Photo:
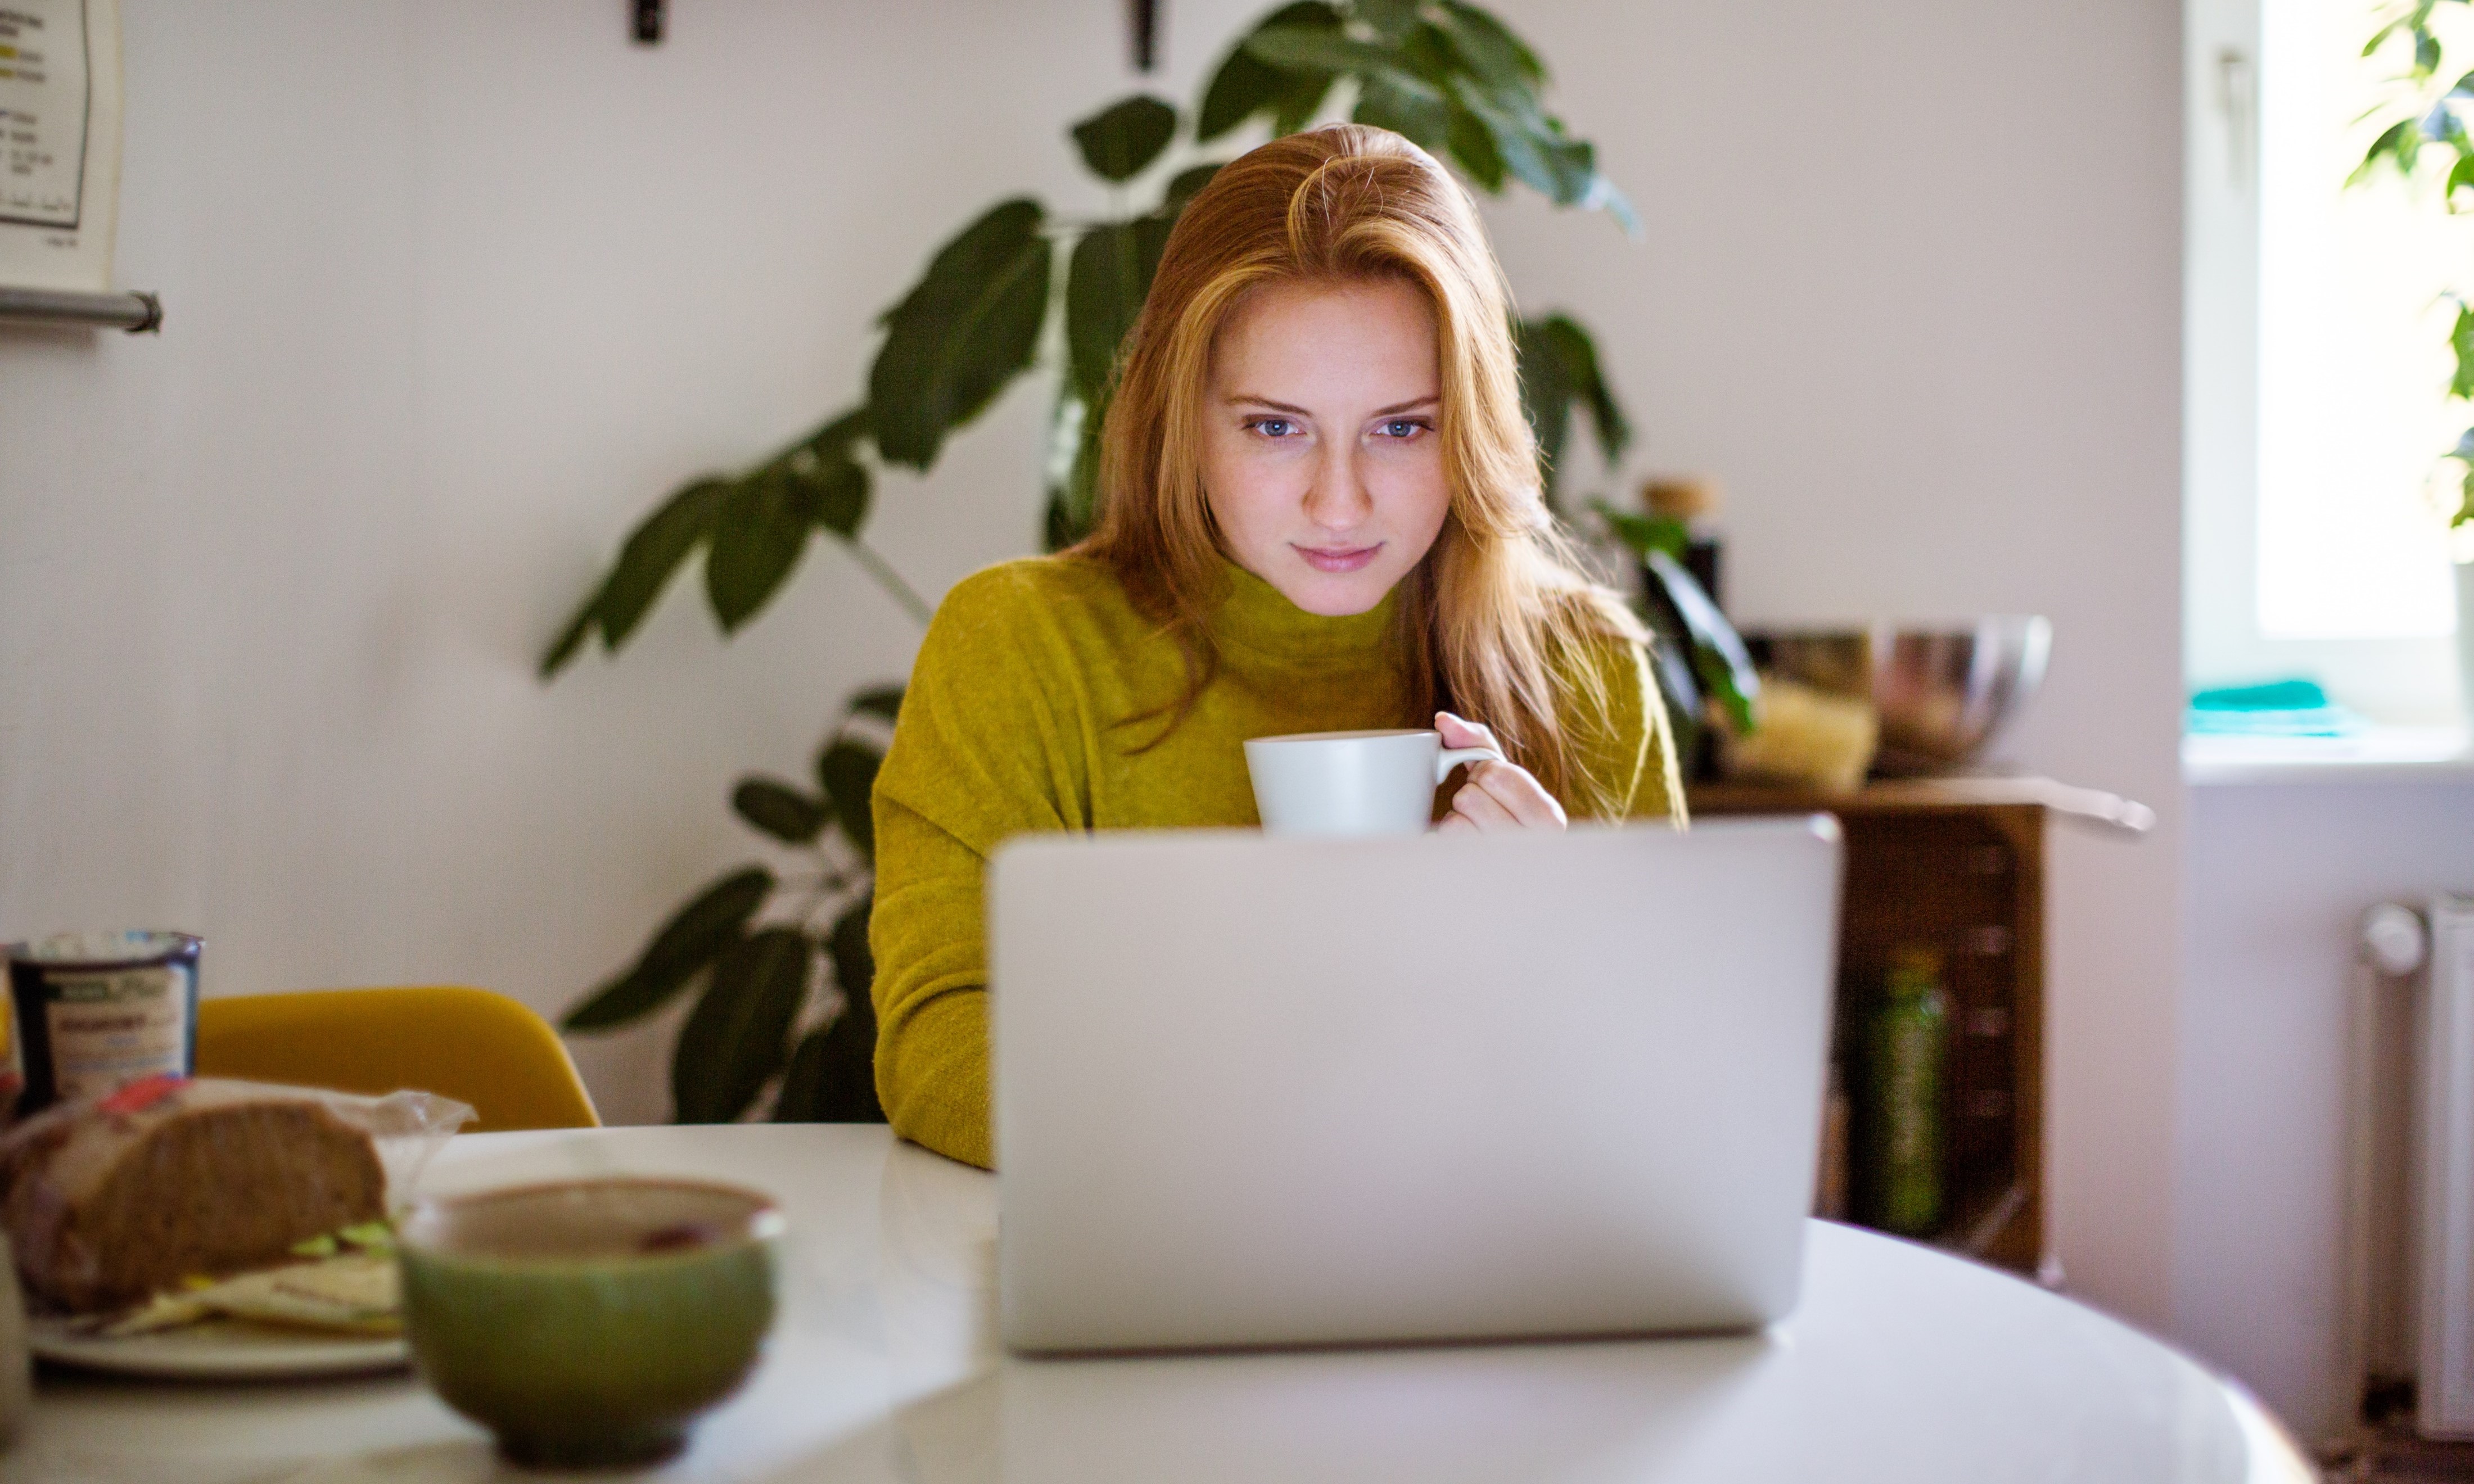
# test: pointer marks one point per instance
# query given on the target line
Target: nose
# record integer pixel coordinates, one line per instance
(1337, 501)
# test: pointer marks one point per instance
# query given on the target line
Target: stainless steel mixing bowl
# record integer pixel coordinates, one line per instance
(1942, 691)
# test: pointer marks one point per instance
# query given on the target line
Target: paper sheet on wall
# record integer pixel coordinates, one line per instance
(59, 142)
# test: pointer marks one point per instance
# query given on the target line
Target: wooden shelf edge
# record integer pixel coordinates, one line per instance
(2127, 817)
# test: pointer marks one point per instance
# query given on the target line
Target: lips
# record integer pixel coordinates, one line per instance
(1338, 559)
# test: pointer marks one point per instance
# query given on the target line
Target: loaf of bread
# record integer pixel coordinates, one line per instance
(112, 1201)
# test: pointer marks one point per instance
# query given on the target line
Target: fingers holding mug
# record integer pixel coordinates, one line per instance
(1498, 795)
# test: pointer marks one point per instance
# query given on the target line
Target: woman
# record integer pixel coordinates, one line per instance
(1319, 511)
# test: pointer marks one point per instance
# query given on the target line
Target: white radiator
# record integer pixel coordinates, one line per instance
(2410, 1226)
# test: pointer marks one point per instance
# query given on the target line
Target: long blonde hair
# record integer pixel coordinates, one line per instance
(1497, 620)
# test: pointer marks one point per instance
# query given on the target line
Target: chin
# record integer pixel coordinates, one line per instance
(1338, 597)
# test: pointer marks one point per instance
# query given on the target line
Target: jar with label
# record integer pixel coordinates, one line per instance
(95, 1011)
(1905, 1043)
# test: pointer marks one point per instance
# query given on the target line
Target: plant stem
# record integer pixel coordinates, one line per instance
(890, 581)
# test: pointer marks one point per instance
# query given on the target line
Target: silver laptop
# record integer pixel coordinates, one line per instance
(1258, 1091)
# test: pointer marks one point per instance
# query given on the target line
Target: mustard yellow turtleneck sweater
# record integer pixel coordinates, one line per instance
(1005, 728)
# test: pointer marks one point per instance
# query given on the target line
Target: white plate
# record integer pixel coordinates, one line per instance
(217, 1350)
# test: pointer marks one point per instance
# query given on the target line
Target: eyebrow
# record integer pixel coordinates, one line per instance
(1248, 399)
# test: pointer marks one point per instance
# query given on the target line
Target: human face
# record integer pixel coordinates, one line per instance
(1319, 454)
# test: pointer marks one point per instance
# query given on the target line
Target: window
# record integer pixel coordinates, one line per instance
(2317, 363)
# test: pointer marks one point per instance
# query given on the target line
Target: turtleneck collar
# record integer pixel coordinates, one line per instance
(1256, 617)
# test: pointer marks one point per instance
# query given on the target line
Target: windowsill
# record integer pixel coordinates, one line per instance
(2377, 754)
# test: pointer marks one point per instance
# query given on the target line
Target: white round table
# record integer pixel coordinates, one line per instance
(1901, 1365)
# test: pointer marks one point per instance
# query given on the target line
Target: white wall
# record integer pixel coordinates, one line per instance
(2278, 876)
(455, 291)
(459, 288)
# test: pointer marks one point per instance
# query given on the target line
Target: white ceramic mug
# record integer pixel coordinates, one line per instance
(1353, 782)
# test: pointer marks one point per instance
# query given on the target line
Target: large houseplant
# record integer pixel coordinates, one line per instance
(757, 946)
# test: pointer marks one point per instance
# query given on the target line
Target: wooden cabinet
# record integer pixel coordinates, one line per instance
(1956, 866)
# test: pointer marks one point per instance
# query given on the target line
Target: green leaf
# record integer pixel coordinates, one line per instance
(2426, 53)
(1311, 49)
(1719, 658)
(2399, 143)
(757, 539)
(832, 496)
(1615, 203)
(2382, 34)
(653, 551)
(854, 964)
(804, 1079)
(881, 700)
(1546, 393)
(685, 944)
(571, 639)
(969, 327)
(835, 440)
(1246, 86)
(1588, 381)
(1645, 534)
(1734, 694)
(1559, 366)
(2460, 340)
(1073, 491)
(2465, 88)
(1492, 51)
(1606, 415)
(779, 810)
(1185, 185)
(1121, 140)
(739, 1034)
(1680, 689)
(847, 768)
(1670, 660)
(1407, 105)
(1105, 279)
(1389, 18)
(1472, 148)
(1297, 107)
(1536, 148)
(652, 555)
(832, 1078)
(1428, 55)
(1523, 145)
(1575, 164)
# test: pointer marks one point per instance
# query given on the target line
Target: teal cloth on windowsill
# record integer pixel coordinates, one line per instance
(2279, 708)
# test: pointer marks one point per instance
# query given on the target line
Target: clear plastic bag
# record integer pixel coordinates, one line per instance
(111, 1198)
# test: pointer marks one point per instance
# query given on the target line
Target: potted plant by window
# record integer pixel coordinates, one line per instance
(2426, 144)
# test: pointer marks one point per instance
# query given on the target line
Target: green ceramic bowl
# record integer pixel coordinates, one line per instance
(587, 1323)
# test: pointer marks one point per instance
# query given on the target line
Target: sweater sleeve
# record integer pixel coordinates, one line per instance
(1659, 791)
(1634, 758)
(984, 751)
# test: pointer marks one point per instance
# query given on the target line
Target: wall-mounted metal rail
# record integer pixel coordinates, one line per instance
(139, 313)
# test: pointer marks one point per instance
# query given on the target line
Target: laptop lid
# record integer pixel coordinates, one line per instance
(1252, 1091)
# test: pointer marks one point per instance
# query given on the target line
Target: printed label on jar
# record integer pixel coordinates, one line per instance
(111, 1028)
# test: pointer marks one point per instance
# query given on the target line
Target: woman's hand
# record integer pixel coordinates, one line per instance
(1498, 795)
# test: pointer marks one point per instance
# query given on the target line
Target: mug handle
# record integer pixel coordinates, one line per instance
(1452, 757)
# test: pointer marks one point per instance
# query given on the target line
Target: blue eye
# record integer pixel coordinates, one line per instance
(1273, 427)
(1402, 427)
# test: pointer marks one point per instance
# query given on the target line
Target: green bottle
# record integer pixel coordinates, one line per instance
(1907, 1039)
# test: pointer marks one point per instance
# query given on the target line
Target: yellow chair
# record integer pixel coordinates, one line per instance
(469, 1044)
